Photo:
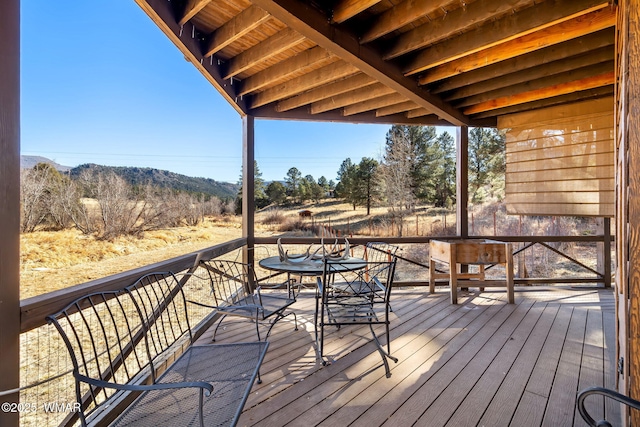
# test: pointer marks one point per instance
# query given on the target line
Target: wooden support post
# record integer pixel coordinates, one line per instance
(10, 205)
(607, 253)
(462, 182)
(603, 250)
(462, 186)
(248, 186)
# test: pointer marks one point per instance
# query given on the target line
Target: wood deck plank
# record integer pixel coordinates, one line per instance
(289, 403)
(482, 376)
(562, 400)
(414, 406)
(501, 401)
(457, 363)
(591, 367)
(421, 351)
(612, 407)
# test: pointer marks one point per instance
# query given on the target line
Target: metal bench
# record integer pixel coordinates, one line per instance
(134, 362)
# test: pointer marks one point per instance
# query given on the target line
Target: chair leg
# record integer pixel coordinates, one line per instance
(383, 353)
(217, 326)
(258, 327)
(282, 316)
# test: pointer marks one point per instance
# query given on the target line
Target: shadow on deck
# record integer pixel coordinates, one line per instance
(482, 362)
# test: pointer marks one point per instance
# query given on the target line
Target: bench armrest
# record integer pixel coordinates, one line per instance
(208, 388)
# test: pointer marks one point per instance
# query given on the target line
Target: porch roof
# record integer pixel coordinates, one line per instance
(395, 61)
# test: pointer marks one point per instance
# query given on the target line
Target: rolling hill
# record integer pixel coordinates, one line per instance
(165, 179)
(139, 176)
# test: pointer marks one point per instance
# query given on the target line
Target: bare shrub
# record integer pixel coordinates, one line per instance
(33, 199)
(293, 224)
(274, 217)
(212, 207)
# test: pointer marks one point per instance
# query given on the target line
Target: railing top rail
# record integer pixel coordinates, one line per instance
(33, 311)
(427, 239)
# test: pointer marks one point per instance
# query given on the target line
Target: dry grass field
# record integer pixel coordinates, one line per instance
(52, 260)
(55, 260)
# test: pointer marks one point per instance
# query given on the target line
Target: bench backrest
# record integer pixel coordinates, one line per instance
(229, 283)
(120, 337)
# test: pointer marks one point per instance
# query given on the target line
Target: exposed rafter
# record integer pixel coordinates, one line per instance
(358, 95)
(313, 24)
(272, 46)
(418, 112)
(237, 27)
(399, 16)
(547, 92)
(161, 13)
(547, 16)
(298, 64)
(305, 82)
(326, 91)
(455, 22)
(396, 108)
(559, 33)
(598, 92)
(540, 58)
(191, 9)
(372, 104)
(540, 83)
(346, 9)
(540, 72)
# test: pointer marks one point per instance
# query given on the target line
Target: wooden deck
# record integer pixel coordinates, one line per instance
(482, 362)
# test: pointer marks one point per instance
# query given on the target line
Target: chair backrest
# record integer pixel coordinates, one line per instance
(361, 278)
(380, 252)
(115, 337)
(229, 281)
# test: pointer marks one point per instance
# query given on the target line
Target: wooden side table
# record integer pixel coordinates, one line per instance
(479, 252)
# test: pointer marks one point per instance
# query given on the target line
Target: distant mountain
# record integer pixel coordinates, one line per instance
(28, 162)
(165, 179)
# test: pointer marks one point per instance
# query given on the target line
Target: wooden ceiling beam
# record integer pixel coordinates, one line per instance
(237, 27)
(548, 102)
(305, 19)
(264, 50)
(326, 91)
(372, 104)
(454, 22)
(191, 9)
(559, 33)
(581, 45)
(400, 15)
(572, 16)
(346, 9)
(568, 65)
(162, 14)
(302, 62)
(539, 83)
(396, 108)
(418, 112)
(268, 112)
(302, 83)
(352, 97)
(604, 79)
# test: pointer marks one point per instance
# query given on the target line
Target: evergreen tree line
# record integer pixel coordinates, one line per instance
(53, 201)
(417, 166)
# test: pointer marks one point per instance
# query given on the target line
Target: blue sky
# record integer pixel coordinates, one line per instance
(102, 84)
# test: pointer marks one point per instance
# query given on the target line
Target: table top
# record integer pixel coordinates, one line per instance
(312, 267)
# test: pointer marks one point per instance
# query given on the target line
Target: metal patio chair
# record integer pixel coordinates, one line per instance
(230, 286)
(362, 299)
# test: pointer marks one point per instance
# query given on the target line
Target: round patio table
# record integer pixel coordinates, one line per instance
(309, 268)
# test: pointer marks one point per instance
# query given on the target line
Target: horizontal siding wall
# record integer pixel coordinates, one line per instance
(560, 160)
